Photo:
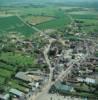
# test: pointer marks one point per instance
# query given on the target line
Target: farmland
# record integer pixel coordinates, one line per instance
(15, 25)
(27, 31)
(87, 24)
(42, 18)
(12, 62)
(37, 19)
(59, 23)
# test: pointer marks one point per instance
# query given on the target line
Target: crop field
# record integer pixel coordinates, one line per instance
(18, 59)
(34, 11)
(14, 24)
(3, 71)
(42, 18)
(4, 75)
(9, 64)
(2, 80)
(88, 24)
(58, 23)
(15, 84)
(84, 16)
(33, 20)
(82, 12)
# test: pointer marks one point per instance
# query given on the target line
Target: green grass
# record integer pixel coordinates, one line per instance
(88, 24)
(58, 23)
(14, 24)
(15, 84)
(18, 59)
(84, 16)
(96, 54)
(37, 19)
(7, 67)
(2, 80)
(92, 22)
(47, 11)
(5, 73)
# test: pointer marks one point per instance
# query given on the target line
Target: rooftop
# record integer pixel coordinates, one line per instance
(16, 92)
(63, 87)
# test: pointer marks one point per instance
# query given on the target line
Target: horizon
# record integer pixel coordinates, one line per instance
(3, 2)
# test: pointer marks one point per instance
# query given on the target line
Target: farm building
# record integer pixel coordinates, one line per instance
(17, 93)
(28, 77)
(4, 97)
(87, 80)
(63, 88)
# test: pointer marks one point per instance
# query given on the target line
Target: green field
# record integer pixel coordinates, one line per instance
(46, 18)
(15, 25)
(59, 23)
(9, 65)
(87, 24)
(5, 73)
(2, 80)
(84, 16)
(38, 11)
(33, 20)
(15, 84)
(18, 59)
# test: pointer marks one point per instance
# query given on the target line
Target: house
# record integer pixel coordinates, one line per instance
(90, 80)
(28, 76)
(4, 97)
(86, 80)
(17, 93)
(63, 88)
(23, 76)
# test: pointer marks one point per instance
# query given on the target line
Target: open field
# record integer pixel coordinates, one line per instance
(83, 12)
(29, 10)
(33, 20)
(3, 71)
(10, 63)
(14, 24)
(16, 84)
(44, 18)
(2, 80)
(59, 23)
(18, 59)
(84, 16)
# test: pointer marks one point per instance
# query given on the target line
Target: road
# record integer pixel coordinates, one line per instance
(46, 50)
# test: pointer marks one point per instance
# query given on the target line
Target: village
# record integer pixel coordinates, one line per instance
(48, 50)
(69, 69)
